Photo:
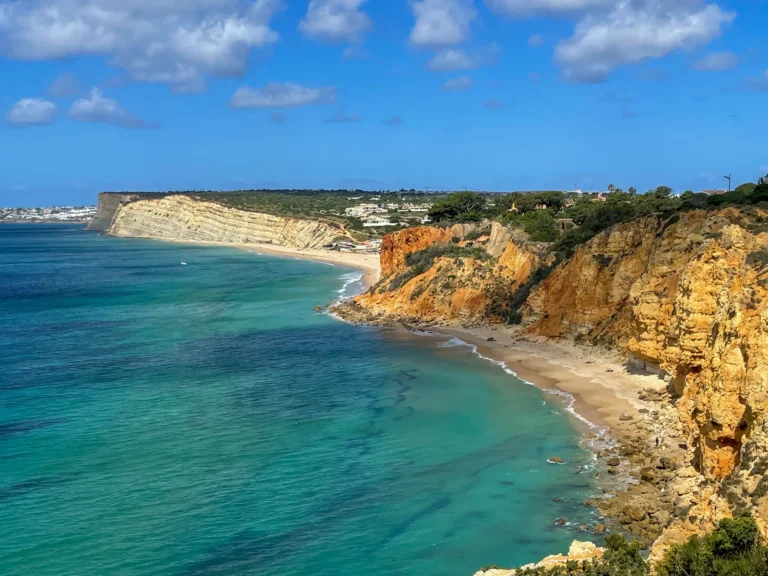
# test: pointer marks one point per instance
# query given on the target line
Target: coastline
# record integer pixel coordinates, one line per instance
(44, 221)
(599, 383)
(370, 264)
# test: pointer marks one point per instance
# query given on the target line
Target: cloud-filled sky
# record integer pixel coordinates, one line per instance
(485, 94)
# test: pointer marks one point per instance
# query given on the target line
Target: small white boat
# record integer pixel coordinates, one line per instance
(183, 263)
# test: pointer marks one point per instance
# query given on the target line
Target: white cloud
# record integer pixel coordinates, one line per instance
(335, 20)
(65, 86)
(460, 83)
(341, 118)
(453, 59)
(717, 61)
(281, 95)
(634, 31)
(527, 8)
(152, 40)
(195, 86)
(535, 40)
(96, 108)
(31, 112)
(450, 60)
(441, 22)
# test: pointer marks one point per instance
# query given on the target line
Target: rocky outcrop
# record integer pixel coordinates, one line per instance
(396, 247)
(109, 202)
(467, 288)
(182, 218)
(578, 552)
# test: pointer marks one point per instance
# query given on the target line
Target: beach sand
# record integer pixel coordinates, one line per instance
(602, 387)
(368, 263)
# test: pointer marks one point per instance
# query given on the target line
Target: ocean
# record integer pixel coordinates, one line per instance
(160, 418)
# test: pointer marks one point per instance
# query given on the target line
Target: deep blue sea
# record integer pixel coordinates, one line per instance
(203, 419)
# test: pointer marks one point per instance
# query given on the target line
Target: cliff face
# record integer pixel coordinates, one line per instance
(688, 295)
(105, 213)
(460, 287)
(182, 218)
(685, 296)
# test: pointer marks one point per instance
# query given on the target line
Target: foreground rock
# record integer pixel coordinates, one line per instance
(579, 551)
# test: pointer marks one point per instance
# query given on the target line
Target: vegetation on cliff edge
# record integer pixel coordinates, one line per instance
(733, 549)
(420, 262)
(586, 215)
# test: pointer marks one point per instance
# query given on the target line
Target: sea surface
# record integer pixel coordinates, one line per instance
(203, 419)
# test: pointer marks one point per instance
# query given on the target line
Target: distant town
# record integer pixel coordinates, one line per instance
(51, 214)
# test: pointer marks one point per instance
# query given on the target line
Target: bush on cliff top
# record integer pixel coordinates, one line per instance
(733, 549)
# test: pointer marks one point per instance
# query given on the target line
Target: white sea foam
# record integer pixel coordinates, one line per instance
(349, 279)
(452, 343)
(569, 398)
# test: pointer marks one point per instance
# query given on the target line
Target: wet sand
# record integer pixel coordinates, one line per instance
(598, 380)
(369, 263)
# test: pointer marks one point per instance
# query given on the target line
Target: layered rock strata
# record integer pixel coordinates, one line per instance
(183, 218)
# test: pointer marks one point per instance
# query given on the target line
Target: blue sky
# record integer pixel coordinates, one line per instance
(488, 94)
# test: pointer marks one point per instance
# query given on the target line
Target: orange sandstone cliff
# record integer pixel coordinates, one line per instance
(684, 295)
(465, 287)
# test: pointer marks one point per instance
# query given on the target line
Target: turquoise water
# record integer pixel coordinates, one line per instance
(160, 419)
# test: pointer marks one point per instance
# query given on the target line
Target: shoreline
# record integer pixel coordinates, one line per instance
(85, 222)
(598, 382)
(370, 264)
(637, 446)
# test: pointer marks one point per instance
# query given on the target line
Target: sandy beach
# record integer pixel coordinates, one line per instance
(368, 263)
(599, 382)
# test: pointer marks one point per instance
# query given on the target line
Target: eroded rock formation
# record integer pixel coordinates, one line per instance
(182, 218)
(453, 289)
(684, 295)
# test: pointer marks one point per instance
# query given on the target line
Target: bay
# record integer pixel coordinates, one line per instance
(160, 418)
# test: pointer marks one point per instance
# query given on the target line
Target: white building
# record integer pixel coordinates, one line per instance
(375, 222)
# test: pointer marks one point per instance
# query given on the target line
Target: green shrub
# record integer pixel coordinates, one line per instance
(733, 549)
